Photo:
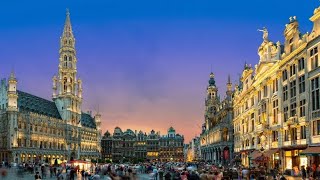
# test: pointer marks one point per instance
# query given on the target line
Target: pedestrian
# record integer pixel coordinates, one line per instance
(59, 175)
(303, 173)
(37, 176)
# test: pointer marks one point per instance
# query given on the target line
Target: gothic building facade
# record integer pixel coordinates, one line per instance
(34, 129)
(277, 110)
(216, 139)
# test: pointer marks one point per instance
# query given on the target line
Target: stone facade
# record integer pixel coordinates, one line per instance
(193, 151)
(277, 105)
(130, 146)
(171, 147)
(37, 130)
(216, 139)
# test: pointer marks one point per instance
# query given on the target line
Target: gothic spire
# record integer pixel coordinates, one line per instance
(67, 30)
(229, 79)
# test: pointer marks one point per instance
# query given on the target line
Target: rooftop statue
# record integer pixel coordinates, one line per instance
(265, 33)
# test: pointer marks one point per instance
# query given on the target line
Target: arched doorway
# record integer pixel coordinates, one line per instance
(226, 154)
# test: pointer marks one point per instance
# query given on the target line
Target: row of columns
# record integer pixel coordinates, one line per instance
(20, 157)
(215, 155)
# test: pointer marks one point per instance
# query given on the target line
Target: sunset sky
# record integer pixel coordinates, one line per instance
(144, 64)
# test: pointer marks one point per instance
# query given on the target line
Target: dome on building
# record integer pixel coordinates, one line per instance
(129, 131)
(117, 130)
(171, 129)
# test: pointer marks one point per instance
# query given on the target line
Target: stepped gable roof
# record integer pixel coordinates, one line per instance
(31, 103)
(87, 120)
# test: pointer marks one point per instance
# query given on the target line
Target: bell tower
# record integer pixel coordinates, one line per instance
(211, 102)
(67, 89)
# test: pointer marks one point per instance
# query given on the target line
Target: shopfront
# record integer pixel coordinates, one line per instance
(312, 155)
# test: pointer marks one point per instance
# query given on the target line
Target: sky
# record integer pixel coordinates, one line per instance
(144, 64)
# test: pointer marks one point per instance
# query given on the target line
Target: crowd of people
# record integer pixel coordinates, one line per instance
(159, 171)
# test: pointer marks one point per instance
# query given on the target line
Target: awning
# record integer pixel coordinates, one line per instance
(270, 152)
(255, 154)
(311, 151)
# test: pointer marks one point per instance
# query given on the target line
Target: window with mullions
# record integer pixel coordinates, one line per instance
(302, 105)
(301, 64)
(293, 88)
(275, 111)
(285, 114)
(315, 91)
(316, 127)
(292, 70)
(294, 134)
(302, 85)
(293, 110)
(284, 75)
(285, 92)
(314, 58)
(286, 135)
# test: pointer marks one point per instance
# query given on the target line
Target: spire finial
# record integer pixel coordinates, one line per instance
(229, 79)
(12, 74)
(67, 30)
(67, 12)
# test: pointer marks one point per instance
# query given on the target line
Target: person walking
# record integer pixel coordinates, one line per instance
(303, 173)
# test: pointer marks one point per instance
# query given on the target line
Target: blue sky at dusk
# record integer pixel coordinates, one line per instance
(145, 64)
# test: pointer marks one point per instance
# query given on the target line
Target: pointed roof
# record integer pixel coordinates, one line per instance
(67, 30)
(229, 79)
(12, 75)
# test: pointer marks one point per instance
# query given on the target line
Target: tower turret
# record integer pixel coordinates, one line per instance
(12, 93)
(66, 87)
(211, 102)
(12, 110)
(229, 88)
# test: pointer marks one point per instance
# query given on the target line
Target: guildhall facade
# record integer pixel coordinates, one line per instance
(277, 105)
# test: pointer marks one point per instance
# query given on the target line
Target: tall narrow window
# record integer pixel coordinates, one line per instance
(314, 58)
(301, 64)
(293, 110)
(294, 134)
(284, 75)
(286, 135)
(65, 64)
(291, 45)
(275, 111)
(302, 105)
(265, 91)
(292, 70)
(65, 84)
(285, 114)
(303, 133)
(315, 91)
(285, 92)
(293, 88)
(302, 86)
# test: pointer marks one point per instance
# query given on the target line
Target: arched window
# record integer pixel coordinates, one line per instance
(65, 84)
(252, 141)
(65, 63)
(71, 85)
(70, 62)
